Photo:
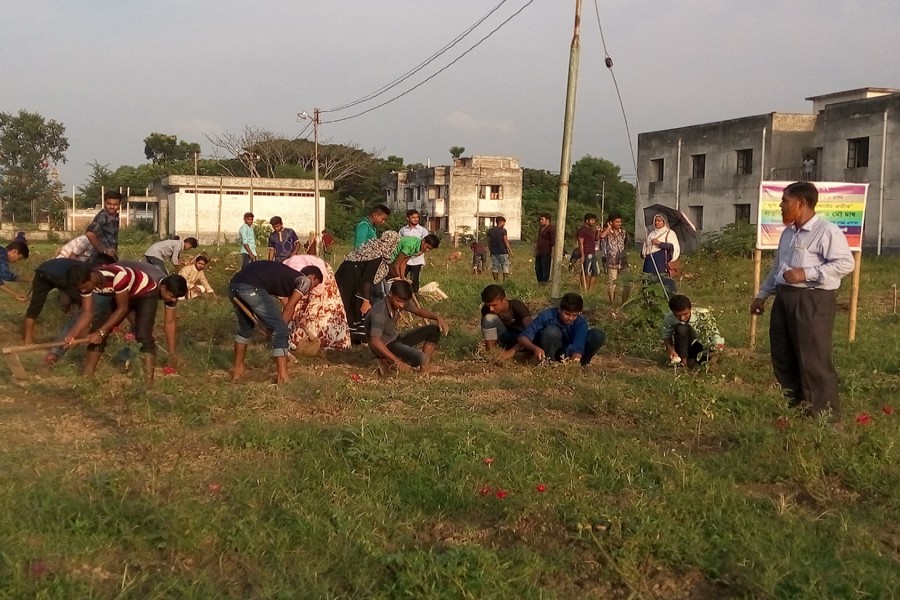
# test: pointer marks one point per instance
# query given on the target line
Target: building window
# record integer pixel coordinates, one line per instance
(696, 216)
(857, 153)
(698, 166)
(741, 213)
(489, 192)
(657, 169)
(745, 161)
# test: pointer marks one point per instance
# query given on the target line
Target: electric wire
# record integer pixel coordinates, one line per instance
(420, 66)
(438, 72)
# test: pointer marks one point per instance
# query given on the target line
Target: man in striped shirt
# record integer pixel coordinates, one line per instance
(137, 288)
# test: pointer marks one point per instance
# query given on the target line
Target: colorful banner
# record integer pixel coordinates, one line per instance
(843, 204)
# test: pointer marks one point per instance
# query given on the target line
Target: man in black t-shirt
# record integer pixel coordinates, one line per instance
(256, 287)
(498, 246)
(502, 320)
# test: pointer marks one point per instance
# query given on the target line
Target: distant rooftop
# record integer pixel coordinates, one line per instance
(823, 100)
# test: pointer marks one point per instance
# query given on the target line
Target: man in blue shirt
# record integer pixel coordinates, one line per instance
(14, 252)
(813, 256)
(563, 333)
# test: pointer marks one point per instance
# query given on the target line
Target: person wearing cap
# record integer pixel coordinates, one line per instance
(255, 290)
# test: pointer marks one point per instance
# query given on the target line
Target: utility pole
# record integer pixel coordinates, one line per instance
(565, 161)
(196, 196)
(316, 178)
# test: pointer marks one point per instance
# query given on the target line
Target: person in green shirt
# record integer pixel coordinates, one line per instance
(410, 246)
(365, 229)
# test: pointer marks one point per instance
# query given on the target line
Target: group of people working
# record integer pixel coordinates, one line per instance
(297, 297)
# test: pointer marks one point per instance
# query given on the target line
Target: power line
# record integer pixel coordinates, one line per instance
(609, 65)
(420, 66)
(427, 79)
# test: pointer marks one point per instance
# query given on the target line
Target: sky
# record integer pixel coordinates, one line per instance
(113, 72)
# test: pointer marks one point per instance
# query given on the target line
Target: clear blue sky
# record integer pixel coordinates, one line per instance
(114, 72)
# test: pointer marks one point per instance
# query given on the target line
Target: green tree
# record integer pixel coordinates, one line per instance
(590, 177)
(160, 149)
(29, 144)
(456, 151)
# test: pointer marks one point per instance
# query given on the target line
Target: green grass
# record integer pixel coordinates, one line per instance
(654, 485)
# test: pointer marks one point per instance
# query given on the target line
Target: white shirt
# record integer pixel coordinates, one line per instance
(419, 232)
(79, 248)
(819, 248)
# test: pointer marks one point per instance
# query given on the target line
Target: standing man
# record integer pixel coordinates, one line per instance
(415, 263)
(809, 168)
(813, 256)
(168, 250)
(543, 249)
(366, 228)
(103, 232)
(587, 239)
(327, 244)
(614, 243)
(498, 246)
(248, 240)
(283, 241)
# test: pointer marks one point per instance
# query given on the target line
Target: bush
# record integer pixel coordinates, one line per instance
(735, 239)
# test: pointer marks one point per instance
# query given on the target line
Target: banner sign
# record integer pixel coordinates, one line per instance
(843, 204)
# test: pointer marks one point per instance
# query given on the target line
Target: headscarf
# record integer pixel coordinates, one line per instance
(664, 235)
(382, 248)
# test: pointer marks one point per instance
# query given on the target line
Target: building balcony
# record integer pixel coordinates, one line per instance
(695, 184)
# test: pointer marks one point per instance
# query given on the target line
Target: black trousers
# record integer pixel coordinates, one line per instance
(542, 268)
(800, 335)
(687, 346)
(143, 311)
(412, 273)
(41, 286)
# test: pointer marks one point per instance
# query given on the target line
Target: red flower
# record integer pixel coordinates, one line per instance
(168, 370)
(541, 488)
(487, 460)
(484, 491)
(356, 377)
(129, 337)
(864, 419)
(888, 410)
(782, 423)
(115, 330)
(502, 494)
(214, 487)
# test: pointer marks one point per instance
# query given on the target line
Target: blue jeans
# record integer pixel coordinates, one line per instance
(103, 305)
(492, 328)
(551, 340)
(267, 309)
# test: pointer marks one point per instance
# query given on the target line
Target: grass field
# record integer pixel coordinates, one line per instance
(512, 481)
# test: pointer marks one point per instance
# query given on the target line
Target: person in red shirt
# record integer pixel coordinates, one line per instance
(137, 289)
(327, 245)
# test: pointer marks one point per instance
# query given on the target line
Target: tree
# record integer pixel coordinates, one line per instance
(29, 146)
(590, 177)
(456, 151)
(162, 149)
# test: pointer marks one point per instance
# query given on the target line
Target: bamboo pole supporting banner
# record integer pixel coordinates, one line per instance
(854, 296)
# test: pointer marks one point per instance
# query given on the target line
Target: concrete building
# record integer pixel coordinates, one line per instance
(212, 208)
(712, 171)
(461, 198)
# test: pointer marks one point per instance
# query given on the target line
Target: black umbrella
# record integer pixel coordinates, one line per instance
(678, 222)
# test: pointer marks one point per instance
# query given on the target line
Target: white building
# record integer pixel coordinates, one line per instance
(212, 208)
(462, 198)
